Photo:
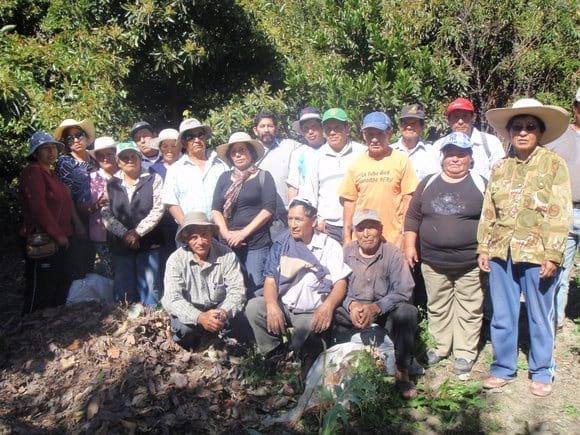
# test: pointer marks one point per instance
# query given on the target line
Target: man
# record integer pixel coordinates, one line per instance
(305, 281)
(204, 285)
(142, 135)
(276, 161)
(567, 146)
(190, 182)
(328, 169)
(382, 180)
(379, 291)
(424, 157)
(309, 125)
(487, 148)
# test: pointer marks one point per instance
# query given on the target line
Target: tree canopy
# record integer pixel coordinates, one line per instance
(116, 61)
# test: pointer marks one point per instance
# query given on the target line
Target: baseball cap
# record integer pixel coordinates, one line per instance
(412, 111)
(457, 139)
(126, 147)
(335, 113)
(139, 126)
(378, 120)
(365, 214)
(309, 113)
(460, 104)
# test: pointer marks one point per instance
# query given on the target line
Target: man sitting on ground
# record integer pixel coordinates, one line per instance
(379, 292)
(204, 285)
(305, 280)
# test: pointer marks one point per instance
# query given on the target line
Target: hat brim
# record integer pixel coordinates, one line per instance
(180, 236)
(205, 128)
(129, 150)
(378, 126)
(360, 221)
(448, 145)
(223, 150)
(59, 146)
(554, 118)
(85, 125)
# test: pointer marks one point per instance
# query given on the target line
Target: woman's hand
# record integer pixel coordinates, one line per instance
(548, 269)
(483, 262)
(411, 255)
(236, 238)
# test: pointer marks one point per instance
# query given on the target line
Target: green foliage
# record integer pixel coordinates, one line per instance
(371, 398)
(571, 410)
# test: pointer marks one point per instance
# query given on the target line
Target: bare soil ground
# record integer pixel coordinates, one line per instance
(93, 369)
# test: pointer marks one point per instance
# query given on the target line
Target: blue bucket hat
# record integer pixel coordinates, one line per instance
(379, 120)
(457, 139)
(40, 138)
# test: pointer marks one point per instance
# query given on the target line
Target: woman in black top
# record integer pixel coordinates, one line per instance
(244, 202)
(443, 215)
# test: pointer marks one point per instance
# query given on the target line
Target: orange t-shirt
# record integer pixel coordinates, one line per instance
(380, 185)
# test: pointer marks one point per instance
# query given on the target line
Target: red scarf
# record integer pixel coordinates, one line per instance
(238, 178)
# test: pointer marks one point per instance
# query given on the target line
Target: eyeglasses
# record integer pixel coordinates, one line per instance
(516, 128)
(71, 137)
(193, 135)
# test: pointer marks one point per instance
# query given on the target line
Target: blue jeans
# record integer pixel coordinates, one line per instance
(564, 281)
(138, 277)
(253, 262)
(507, 281)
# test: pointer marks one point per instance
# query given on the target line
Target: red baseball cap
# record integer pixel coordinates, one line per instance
(460, 104)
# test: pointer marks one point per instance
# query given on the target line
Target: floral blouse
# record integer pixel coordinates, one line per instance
(76, 175)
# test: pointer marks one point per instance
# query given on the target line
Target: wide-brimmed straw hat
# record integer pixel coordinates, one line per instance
(193, 219)
(554, 118)
(192, 124)
(239, 137)
(85, 125)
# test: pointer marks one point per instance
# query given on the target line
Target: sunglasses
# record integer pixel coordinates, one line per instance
(71, 137)
(193, 135)
(528, 127)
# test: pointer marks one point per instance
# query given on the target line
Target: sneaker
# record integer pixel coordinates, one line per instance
(462, 366)
(433, 358)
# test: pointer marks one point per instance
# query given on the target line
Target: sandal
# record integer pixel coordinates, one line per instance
(407, 389)
(539, 389)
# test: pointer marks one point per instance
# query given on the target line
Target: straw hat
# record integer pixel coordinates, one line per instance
(554, 118)
(191, 220)
(166, 134)
(85, 125)
(191, 124)
(239, 137)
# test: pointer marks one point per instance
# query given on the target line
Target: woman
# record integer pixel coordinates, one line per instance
(131, 218)
(104, 153)
(47, 208)
(166, 142)
(443, 215)
(76, 164)
(170, 153)
(522, 235)
(74, 168)
(244, 202)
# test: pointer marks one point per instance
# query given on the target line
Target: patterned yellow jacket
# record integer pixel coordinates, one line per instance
(527, 209)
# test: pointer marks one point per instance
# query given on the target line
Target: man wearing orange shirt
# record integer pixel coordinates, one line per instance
(382, 179)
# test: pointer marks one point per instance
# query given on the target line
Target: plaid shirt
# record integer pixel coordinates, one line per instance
(192, 287)
(526, 210)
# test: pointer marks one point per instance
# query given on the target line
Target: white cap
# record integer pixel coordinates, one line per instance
(104, 142)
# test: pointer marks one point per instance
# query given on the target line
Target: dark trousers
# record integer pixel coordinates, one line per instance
(334, 232)
(191, 336)
(400, 324)
(47, 282)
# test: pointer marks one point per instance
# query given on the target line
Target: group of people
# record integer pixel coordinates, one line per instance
(324, 235)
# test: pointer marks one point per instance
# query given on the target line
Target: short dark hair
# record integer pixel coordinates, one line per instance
(309, 210)
(265, 114)
(538, 120)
